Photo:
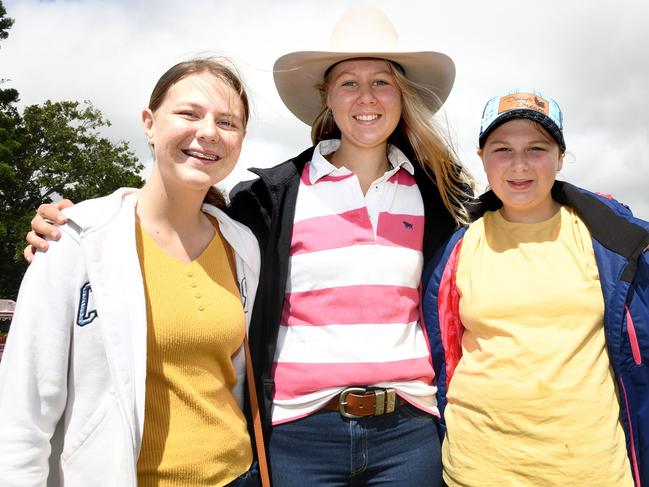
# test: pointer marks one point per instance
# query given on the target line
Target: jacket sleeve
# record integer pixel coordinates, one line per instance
(34, 367)
(644, 270)
(635, 378)
(250, 204)
(440, 315)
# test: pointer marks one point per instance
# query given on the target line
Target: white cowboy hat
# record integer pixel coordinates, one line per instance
(362, 32)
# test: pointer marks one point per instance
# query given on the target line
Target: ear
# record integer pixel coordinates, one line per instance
(147, 124)
(480, 153)
(560, 164)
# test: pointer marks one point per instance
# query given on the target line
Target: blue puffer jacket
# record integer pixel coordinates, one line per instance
(621, 244)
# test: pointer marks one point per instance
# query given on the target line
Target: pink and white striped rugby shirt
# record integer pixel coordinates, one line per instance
(350, 315)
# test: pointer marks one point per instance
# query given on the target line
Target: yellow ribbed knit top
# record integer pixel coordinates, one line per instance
(194, 432)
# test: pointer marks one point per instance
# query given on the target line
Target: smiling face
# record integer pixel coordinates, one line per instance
(521, 161)
(196, 131)
(364, 101)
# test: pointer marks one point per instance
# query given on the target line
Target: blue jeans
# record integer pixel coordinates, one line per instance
(326, 449)
(248, 479)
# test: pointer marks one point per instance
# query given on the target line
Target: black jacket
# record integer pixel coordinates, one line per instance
(267, 206)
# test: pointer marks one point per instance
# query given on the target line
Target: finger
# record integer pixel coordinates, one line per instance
(43, 229)
(28, 253)
(64, 203)
(36, 241)
(51, 212)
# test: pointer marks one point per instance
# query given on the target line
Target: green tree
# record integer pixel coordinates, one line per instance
(47, 151)
(5, 22)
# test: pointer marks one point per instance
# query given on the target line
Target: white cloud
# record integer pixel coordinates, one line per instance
(592, 57)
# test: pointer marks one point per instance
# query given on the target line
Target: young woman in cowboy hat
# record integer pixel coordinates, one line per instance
(343, 364)
(346, 226)
(538, 318)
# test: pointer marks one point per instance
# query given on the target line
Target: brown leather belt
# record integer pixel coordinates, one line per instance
(359, 402)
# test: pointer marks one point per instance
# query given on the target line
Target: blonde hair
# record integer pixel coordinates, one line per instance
(417, 133)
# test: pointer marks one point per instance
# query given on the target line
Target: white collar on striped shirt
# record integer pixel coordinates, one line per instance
(321, 167)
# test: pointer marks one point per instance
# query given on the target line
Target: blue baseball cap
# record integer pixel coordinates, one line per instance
(522, 103)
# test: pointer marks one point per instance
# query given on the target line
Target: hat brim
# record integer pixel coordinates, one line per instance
(296, 75)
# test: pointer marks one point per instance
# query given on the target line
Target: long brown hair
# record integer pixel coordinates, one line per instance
(220, 68)
(417, 133)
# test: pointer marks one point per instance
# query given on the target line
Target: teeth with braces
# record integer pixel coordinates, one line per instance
(201, 155)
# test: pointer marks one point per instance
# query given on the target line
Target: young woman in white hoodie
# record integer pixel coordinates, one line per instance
(124, 363)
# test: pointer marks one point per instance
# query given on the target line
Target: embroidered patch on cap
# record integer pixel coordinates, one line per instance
(524, 100)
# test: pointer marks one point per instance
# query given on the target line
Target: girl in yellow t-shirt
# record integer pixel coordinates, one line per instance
(534, 367)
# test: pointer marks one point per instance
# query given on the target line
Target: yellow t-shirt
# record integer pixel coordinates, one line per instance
(533, 400)
(194, 432)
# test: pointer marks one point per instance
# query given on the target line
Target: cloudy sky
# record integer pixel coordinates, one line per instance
(591, 56)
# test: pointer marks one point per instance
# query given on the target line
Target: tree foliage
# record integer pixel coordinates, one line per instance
(5, 22)
(51, 150)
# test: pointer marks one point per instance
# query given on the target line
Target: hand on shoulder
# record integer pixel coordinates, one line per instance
(44, 227)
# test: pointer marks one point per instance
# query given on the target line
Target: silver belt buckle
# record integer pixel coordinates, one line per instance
(342, 401)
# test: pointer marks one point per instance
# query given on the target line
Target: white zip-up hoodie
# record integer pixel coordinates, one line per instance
(72, 377)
